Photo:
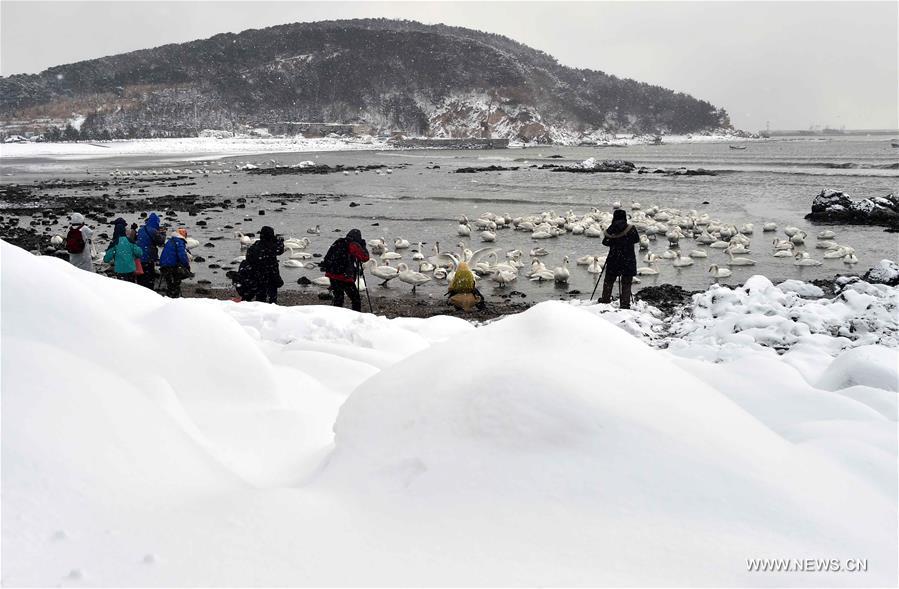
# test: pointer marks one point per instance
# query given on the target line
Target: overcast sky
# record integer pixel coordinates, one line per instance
(795, 64)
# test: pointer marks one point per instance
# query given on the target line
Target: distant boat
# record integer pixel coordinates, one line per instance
(895, 142)
(737, 146)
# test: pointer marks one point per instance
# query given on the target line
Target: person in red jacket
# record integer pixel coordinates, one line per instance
(342, 264)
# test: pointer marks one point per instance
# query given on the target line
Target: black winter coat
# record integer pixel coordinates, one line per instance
(262, 257)
(622, 261)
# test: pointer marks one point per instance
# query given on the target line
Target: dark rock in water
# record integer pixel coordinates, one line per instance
(261, 212)
(303, 281)
(887, 272)
(199, 259)
(833, 206)
(316, 255)
(375, 224)
(474, 170)
(208, 245)
(354, 204)
(240, 206)
(216, 237)
(555, 156)
(214, 266)
(574, 292)
(201, 223)
(665, 297)
(705, 202)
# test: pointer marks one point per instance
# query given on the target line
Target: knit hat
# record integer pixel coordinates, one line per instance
(77, 219)
(182, 231)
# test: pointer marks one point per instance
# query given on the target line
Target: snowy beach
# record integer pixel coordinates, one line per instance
(153, 442)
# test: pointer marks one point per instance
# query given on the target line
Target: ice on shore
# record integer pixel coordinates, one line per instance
(552, 447)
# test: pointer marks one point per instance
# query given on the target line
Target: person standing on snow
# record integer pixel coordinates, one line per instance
(78, 243)
(123, 253)
(174, 263)
(620, 237)
(150, 237)
(342, 264)
(262, 259)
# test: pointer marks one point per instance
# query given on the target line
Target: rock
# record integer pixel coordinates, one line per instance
(831, 200)
(831, 206)
(303, 281)
(886, 272)
(324, 296)
(199, 259)
(353, 204)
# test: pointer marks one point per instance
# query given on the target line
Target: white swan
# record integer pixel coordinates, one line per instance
(719, 245)
(294, 264)
(561, 274)
(539, 251)
(719, 272)
(768, 227)
(400, 244)
(385, 272)
(463, 230)
(682, 261)
(826, 234)
(411, 276)
(740, 261)
(488, 236)
(803, 259)
(850, 259)
(648, 270)
(245, 240)
(504, 277)
(699, 254)
(314, 230)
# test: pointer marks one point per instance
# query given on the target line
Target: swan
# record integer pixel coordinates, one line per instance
(682, 261)
(440, 273)
(400, 244)
(541, 234)
(705, 239)
(488, 236)
(384, 272)
(294, 264)
(648, 270)
(377, 246)
(803, 259)
(561, 273)
(418, 256)
(594, 231)
(426, 267)
(850, 259)
(783, 254)
(388, 255)
(300, 255)
(798, 238)
(644, 243)
(827, 234)
(698, 254)
(738, 249)
(537, 266)
(464, 230)
(314, 230)
(596, 265)
(584, 260)
(747, 229)
(504, 277)
(238, 259)
(322, 281)
(539, 251)
(543, 275)
(56, 241)
(833, 254)
(719, 245)
(740, 261)
(669, 255)
(782, 244)
(719, 272)
(768, 227)
(411, 277)
(791, 231)
(245, 240)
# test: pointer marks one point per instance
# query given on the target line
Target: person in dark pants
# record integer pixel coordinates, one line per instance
(620, 237)
(150, 237)
(262, 258)
(174, 263)
(342, 264)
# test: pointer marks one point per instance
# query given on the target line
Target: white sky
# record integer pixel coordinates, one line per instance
(794, 64)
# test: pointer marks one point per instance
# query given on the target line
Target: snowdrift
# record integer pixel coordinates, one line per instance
(151, 442)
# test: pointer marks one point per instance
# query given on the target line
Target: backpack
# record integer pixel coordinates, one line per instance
(337, 260)
(75, 241)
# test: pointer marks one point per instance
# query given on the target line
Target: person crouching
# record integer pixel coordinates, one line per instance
(124, 253)
(174, 263)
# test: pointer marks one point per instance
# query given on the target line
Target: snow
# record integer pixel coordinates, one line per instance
(885, 272)
(157, 442)
(186, 147)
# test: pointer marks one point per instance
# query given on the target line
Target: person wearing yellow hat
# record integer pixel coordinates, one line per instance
(463, 294)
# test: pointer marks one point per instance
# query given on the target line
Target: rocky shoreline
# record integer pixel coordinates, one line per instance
(835, 207)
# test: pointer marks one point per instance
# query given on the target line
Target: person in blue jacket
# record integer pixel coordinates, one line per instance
(174, 263)
(124, 253)
(149, 237)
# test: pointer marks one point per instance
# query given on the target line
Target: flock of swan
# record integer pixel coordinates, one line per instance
(664, 230)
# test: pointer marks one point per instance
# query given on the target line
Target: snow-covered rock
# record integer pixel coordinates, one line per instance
(885, 272)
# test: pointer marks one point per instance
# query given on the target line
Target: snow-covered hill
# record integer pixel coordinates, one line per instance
(151, 442)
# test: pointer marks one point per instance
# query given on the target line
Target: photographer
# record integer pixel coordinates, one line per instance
(262, 257)
(342, 264)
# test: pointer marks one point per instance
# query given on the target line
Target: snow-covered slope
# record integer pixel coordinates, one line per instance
(150, 442)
